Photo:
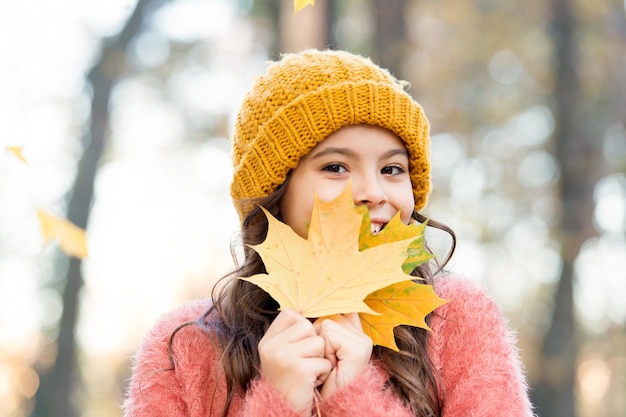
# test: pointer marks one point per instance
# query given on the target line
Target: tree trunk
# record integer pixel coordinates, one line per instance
(307, 29)
(390, 34)
(55, 397)
(553, 393)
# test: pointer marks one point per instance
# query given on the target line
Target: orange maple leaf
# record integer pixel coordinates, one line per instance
(72, 239)
(406, 302)
(326, 273)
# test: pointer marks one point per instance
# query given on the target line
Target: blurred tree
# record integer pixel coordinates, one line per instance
(577, 156)
(309, 28)
(57, 391)
(580, 160)
(390, 44)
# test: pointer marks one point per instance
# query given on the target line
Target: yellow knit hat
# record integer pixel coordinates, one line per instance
(305, 97)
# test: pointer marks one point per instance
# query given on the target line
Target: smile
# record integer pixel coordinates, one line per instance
(377, 227)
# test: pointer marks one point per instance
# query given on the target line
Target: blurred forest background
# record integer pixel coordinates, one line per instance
(123, 110)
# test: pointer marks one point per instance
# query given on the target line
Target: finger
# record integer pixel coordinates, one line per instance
(281, 352)
(317, 324)
(311, 347)
(298, 326)
(336, 324)
(329, 353)
(343, 340)
(354, 320)
(350, 321)
(278, 350)
(321, 368)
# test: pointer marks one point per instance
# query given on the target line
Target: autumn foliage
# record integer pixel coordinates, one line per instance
(341, 267)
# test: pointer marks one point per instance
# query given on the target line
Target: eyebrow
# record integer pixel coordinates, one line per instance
(349, 152)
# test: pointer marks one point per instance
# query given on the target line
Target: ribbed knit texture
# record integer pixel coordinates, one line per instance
(305, 97)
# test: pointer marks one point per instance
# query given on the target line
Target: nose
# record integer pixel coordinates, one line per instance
(368, 191)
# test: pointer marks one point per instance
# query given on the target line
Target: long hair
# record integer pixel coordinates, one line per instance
(246, 311)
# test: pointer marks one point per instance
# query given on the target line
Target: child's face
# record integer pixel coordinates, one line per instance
(378, 163)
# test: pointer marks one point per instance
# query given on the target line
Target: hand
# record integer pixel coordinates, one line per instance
(292, 359)
(346, 347)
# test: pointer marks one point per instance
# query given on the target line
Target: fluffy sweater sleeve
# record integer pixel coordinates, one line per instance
(476, 356)
(195, 386)
(366, 395)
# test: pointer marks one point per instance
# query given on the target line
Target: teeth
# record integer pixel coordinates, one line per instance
(376, 228)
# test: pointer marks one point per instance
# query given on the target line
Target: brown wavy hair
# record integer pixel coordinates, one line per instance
(246, 311)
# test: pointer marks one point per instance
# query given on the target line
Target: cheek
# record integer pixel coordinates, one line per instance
(407, 204)
(297, 206)
(328, 190)
(328, 194)
(296, 212)
(407, 214)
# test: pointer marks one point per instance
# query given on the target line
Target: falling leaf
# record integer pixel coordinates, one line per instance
(71, 238)
(17, 151)
(301, 4)
(406, 302)
(326, 273)
(394, 231)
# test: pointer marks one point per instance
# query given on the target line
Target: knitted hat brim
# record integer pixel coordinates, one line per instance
(297, 127)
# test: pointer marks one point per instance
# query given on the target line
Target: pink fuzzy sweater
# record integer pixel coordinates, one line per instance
(470, 346)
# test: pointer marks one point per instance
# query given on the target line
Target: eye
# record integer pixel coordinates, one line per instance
(336, 168)
(393, 170)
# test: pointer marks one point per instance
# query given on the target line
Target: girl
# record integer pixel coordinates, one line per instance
(313, 122)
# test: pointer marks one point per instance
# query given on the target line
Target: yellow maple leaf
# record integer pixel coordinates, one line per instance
(17, 151)
(326, 273)
(72, 239)
(406, 302)
(301, 4)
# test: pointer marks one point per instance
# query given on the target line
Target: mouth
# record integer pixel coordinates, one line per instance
(377, 227)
